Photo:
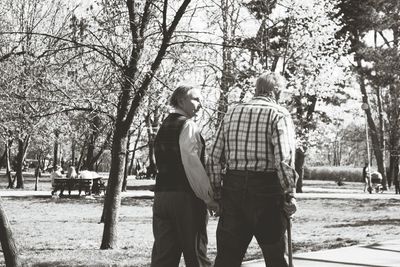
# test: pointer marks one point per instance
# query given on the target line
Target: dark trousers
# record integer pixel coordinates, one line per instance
(252, 205)
(179, 226)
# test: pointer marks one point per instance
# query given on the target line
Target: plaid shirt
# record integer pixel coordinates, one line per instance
(255, 136)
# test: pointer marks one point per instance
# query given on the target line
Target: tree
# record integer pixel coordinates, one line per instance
(129, 100)
(7, 241)
(300, 44)
(376, 64)
(24, 71)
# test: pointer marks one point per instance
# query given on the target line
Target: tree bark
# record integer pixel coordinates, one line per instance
(22, 148)
(89, 164)
(73, 147)
(127, 107)
(95, 124)
(227, 63)
(81, 156)
(125, 180)
(8, 165)
(55, 149)
(19, 165)
(3, 159)
(299, 167)
(8, 245)
(113, 197)
(152, 128)
(135, 147)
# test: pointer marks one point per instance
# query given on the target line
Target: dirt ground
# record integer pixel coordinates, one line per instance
(66, 231)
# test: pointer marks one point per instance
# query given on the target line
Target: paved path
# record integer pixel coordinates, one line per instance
(385, 254)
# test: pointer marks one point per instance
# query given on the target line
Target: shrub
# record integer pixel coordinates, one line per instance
(333, 173)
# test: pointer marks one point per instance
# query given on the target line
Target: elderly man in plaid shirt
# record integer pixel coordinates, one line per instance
(252, 161)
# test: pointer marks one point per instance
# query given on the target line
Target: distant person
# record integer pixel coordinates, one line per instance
(56, 174)
(256, 146)
(376, 181)
(396, 185)
(38, 172)
(366, 178)
(396, 179)
(183, 190)
(71, 173)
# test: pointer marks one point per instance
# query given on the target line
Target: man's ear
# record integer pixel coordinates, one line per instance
(277, 94)
(181, 101)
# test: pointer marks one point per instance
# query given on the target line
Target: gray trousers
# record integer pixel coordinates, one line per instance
(179, 226)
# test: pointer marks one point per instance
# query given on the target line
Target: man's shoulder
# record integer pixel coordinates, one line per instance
(174, 119)
(189, 123)
(268, 105)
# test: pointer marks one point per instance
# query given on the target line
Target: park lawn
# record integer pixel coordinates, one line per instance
(66, 231)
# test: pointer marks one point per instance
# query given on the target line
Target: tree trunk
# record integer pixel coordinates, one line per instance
(128, 105)
(3, 159)
(22, 148)
(7, 241)
(228, 32)
(152, 128)
(89, 164)
(134, 151)
(113, 196)
(131, 163)
(79, 163)
(19, 165)
(299, 167)
(372, 127)
(396, 171)
(55, 151)
(73, 147)
(8, 165)
(390, 173)
(125, 180)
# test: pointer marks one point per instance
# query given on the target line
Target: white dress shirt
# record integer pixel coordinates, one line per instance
(191, 146)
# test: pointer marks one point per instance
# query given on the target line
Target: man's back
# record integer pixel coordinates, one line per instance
(250, 132)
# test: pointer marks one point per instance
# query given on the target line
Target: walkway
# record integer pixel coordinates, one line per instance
(385, 254)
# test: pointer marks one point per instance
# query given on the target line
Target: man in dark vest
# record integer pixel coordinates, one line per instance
(183, 190)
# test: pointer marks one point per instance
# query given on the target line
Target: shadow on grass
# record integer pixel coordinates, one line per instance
(149, 187)
(327, 244)
(367, 223)
(75, 199)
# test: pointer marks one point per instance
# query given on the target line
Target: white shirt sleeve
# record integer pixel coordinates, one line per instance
(190, 147)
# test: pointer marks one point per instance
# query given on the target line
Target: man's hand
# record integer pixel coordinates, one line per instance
(290, 206)
(214, 208)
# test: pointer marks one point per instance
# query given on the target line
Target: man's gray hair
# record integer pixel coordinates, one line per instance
(179, 93)
(269, 84)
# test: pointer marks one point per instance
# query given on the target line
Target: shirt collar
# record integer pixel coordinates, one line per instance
(265, 98)
(179, 111)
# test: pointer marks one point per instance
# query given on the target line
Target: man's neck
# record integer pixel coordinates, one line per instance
(267, 98)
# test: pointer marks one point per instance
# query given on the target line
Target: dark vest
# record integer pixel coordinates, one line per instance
(171, 174)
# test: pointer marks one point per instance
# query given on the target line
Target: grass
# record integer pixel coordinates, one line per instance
(65, 231)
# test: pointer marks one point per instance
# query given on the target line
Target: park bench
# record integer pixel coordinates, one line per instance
(98, 186)
(82, 185)
(87, 185)
(89, 182)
